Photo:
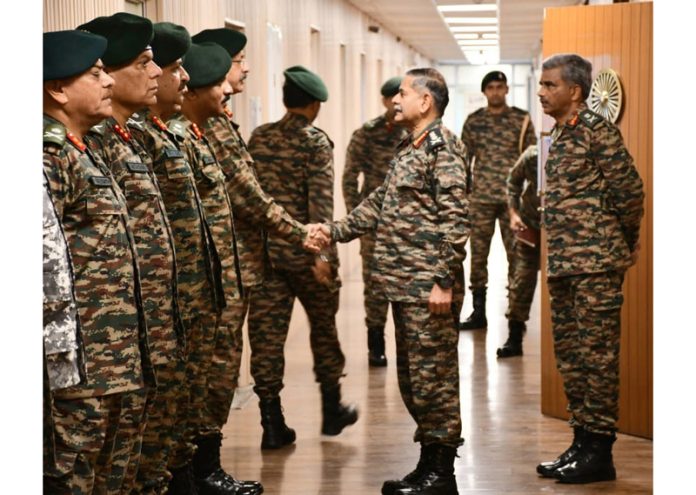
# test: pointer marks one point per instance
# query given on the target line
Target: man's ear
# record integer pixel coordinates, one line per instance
(426, 102)
(56, 90)
(576, 94)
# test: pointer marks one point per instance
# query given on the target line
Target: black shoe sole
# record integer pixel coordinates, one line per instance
(502, 353)
(469, 326)
(595, 478)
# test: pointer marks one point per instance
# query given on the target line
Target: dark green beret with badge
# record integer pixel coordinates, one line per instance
(307, 81)
(206, 63)
(391, 87)
(128, 36)
(69, 53)
(495, 75)
(170, 43)
(231, 40)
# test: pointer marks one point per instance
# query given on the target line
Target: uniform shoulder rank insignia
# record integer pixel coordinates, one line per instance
(54, 134)
(178, 128)
(434, 140)
(135, 120)
(98, 129)
(517, 110)
(325, 134)
(590, 118)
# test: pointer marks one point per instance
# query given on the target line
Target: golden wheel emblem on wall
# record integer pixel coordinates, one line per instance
(606, 96)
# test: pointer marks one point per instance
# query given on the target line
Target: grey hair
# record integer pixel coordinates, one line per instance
(574, 70)
(436, 85)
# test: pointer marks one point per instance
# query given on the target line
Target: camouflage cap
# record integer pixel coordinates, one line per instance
(391, 87)
(128, 36)
(170, 43)
(231, 40)
(206, 63)
(495, 75)
(69, 53)
(307, 81)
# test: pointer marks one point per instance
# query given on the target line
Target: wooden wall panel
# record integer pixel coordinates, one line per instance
(68, 14)
(615, 36)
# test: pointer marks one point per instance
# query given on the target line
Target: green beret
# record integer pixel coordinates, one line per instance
(171, 42)
(307, 81)
(206, 63)
(231, 40)
(128, 36)
(69, 53)
(391, 87)
(495, 75)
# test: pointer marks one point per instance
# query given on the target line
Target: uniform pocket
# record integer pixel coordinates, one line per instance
(139, 187)
(104, 205)
(177, 169)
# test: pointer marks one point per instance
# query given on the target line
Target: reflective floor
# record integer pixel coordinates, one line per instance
(505, 433)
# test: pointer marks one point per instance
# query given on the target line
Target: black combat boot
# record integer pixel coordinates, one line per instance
(546, 469)
(375, 346)
(335, 416)
(438, 478)
(276, 434)
(513, 345)
(593, 463)
(183, 481)
(477, 318)
(390, 486)
(211, 479)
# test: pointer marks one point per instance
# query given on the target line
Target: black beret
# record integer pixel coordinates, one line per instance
(391, 87)
(171, 42)
(307, 81)
(231, 40)
(495, 75)
(128, 36)
(206, 63)
(69, 53)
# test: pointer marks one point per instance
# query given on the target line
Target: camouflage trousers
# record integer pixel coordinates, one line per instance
(428, 371)
(162, 427)
(376, 305)
(200, 345)
(96, 439)
(223, 373)
(524, 281)
(586, 322)
(269, 321)
(483, 217)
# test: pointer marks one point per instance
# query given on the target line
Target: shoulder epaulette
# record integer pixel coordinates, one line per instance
(371, 124)
(54, 134)
(98, 129)
(480, 111)
(518, 110)
(434, 140)
(590, 118)
(177, 127)
(325, 134)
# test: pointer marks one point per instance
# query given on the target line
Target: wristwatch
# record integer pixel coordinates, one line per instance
(445, 282)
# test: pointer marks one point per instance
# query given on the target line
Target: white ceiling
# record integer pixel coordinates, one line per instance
(420, 24)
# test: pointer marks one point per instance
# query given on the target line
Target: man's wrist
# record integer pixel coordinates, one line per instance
(444, 281)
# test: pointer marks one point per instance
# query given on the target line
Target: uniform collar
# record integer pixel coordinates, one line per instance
(418, 140)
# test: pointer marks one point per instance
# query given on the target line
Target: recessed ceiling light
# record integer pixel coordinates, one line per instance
(478, 43)
(487, 36)
(471, 20)
(488, 7)
(466, 36)
(474, 29)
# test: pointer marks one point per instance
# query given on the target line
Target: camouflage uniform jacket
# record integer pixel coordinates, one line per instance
(370, 152)
(131, 167)
(62, 347)
(593, 201)
(294, 163)
(210, 181)
(252, 207)
(94, 215)
(420, 214)
(522, 187)
(192, 240)
(494, 141)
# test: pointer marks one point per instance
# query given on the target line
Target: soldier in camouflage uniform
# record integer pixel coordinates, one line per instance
(207, 65)
(593, 205)
(495, 136)
(128, 60)
(252, 209)
(167, 421)
(93, 213)
(294, 162)
(370, 152)
(523, 203)
(420, 214)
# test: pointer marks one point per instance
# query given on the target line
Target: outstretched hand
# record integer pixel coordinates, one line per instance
(318, 237)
